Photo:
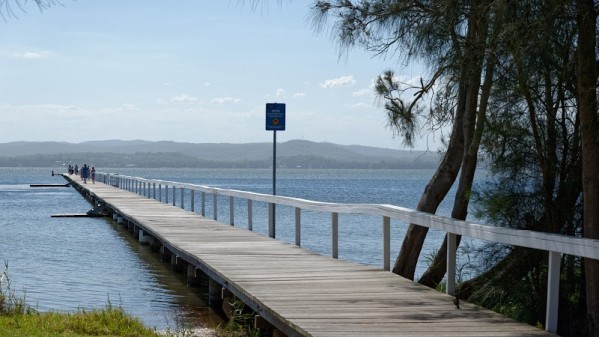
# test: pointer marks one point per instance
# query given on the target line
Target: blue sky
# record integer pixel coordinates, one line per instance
(186, 70)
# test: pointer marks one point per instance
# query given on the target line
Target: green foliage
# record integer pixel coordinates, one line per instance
(106, 322)
(10, 303)
(241, 322)
(19, 320)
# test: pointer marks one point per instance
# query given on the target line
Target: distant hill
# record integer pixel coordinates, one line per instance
(140, 153)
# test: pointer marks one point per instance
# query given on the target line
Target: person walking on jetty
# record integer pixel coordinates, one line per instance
(93, 175)
(85, 171)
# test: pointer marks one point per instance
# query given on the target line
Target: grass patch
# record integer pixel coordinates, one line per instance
(19, 320)
(106, 322)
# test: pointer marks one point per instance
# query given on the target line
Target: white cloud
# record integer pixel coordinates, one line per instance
(207, 84)
(45, 111)
(414, 81)
(129, 107)
(362, 92)
(343, 81)
(359, 105)
(25, 55)
(299, 94)
(162, 101)
(224, 100)
(184, 98)
(280, 93)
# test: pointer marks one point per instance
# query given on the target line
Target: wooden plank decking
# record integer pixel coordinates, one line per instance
(298, 291)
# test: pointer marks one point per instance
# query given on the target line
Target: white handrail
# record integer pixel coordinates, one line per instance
(555, 244)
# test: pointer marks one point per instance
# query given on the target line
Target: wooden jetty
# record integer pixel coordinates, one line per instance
(296, 291)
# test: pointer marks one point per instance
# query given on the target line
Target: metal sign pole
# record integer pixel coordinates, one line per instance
(272, 224)
(275, 120)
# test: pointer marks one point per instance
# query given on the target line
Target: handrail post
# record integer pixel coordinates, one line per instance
(297, 217)
(386, 243)
(215, 206)
(154, 191)
(231, 205)
(160, 192)
(182, 192)
(334, 235)
(249, 214)
(271, 210)
(552, 292)
(174, 196)
(203, 203)
(192, 199)
(451, 264)
(166, 194)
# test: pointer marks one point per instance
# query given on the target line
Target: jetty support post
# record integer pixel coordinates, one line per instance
(214, 294)
(177, 263)
(194, 276)
(143, 238)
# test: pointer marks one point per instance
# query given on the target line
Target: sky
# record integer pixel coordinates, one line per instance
(188, 71)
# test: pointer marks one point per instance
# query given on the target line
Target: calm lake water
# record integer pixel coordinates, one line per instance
(65, 264)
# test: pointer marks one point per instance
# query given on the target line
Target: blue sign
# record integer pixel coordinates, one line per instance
(275, 116)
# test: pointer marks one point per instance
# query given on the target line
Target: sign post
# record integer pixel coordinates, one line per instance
(275, 113)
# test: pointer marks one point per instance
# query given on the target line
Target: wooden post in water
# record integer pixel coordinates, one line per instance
(193, 276)
(214, 295)
(143, 239)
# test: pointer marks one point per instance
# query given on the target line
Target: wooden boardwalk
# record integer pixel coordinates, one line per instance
(299, 292)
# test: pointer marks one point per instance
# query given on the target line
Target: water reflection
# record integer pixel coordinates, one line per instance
(186, 305)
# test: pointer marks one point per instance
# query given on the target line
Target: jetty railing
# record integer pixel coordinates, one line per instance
(554, 244)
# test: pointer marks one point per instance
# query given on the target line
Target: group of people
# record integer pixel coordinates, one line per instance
(85, 172)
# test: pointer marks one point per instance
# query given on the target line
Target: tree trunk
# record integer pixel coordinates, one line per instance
(464, 124)
(588, 110)
(473, 131)
(435, 191)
